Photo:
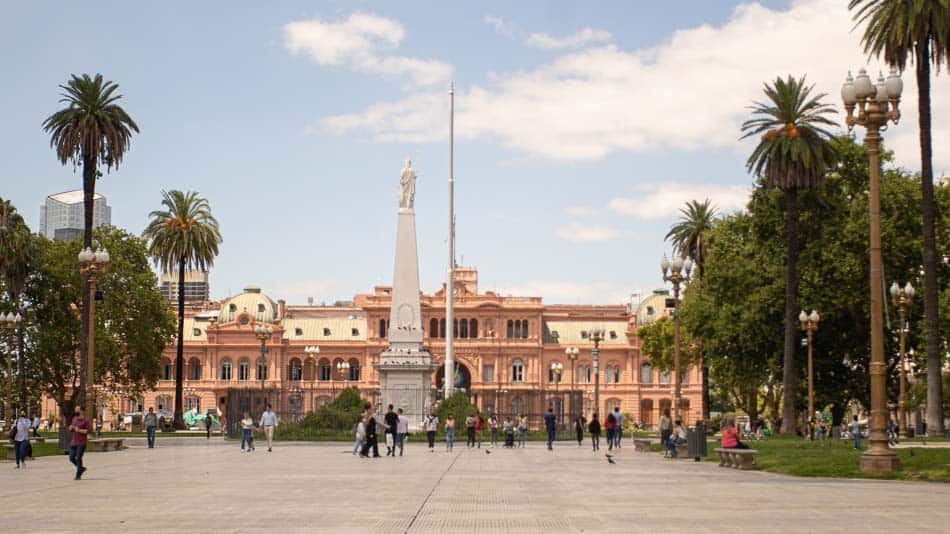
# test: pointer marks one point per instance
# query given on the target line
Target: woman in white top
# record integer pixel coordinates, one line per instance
(247, 432)
(22, 439)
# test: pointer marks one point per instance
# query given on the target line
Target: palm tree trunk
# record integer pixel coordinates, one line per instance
(928, 213)
(789, 371)
(89, 193)
(180, 357)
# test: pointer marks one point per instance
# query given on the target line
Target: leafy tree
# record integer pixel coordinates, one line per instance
(133, 322)
(16, 254)
(92, 129)
(185, 234)
(917, 30)
(656, 341)
(793, 154)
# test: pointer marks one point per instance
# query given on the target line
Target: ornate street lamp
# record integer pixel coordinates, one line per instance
(902, 297)
(876, 106)
(10, 322)
(313, 350)
(263, 333)
(571, 353)
(809, 325)
(597, 335)
(676, 272)
(343, 369)
(92, 265)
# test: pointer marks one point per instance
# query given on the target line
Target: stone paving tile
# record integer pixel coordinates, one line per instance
(194, 485)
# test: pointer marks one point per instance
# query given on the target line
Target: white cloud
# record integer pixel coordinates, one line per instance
(575, 40)
(664, 200)
(362, 42)
(583, 233)
(563, 292)
(501, 25)
(688, 92)
(581, 211)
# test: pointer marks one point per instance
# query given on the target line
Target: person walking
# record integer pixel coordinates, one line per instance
(80, 427)
(594, 429)
(359, 434)
(579, 429)
(36, 426)
(470, 422)
(479, 424)
(269, 423)
(493, 428)
(371, 436)
(21, 438)
(610, 424)
(208, 426)
(432, 426)
(618, 435)
(247, 432)
(402, 430)
(666, 427)
(522, 430)
(449, 432)
(856, 432)
(550, 424)
(392, 427)
(150, 422)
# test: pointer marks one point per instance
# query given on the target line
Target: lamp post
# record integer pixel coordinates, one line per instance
(571, 353)
(295, 392)
(313, 350)
(876, 105)
(557, 368)
(597, 335)
(92, 265)
(10, 322)
(902, 297)
(809, 325)
(263, 333)
(342, 368)
(676, 272)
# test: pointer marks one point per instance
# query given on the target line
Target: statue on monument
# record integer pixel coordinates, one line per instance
(407, 186)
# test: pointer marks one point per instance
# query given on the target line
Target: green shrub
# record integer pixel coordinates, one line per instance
(459, 405)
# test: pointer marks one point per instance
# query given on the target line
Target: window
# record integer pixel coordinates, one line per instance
(354, 370)
(583, 334)
(163, 402)
(455, 328)
(646, 374)
(298, 331)
(517, 406)
(488, 373)
(260, 308)
(524, 329)
(232, 307)
(326, 332)
(584, 374)
(433, 328)
(650, 310)
(245, 320)
(613, 374)
(295, 370)
(194, 369)
(473, 328)
(517, 370)
(226, 369)
(192, 403)
(463, 329)
(613, 334)
(382, 328)
(665, 377)
(261, 369)
(355, 332)
(554, 377)
(511, 329)
(517, 332)
(442, 328)
(324, 370)
(167, 369)
(196, 332)
(244, 370)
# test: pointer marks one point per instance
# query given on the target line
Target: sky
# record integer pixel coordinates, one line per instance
(580, 129)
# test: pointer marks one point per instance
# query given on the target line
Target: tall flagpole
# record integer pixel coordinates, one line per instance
(449, 381)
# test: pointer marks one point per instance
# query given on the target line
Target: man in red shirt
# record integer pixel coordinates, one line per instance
(80, 428)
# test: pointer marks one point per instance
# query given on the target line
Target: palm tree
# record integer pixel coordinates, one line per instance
(17, 250)
(184, 235)
(91, 130)
(793, 153)
(688, 237)
(917, 29)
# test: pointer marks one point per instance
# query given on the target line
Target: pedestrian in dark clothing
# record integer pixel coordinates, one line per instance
(594, 429)
(208, 426)
(392, 423)
(579, 429)
(371, 439)
(551, 426)
(470, 423)
(611, 425)
(80, 427)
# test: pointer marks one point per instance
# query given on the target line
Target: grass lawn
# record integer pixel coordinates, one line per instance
(838, 459)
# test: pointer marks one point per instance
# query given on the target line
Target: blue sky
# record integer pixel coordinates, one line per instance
(579, 130)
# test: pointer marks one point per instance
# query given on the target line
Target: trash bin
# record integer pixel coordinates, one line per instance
(696, 442)
(909, 432)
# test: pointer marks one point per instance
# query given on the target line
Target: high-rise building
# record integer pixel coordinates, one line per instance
(196, 286)
(61, 217)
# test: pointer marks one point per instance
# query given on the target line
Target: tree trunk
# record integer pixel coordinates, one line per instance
(928, 214)
(789, 371)
(89, 193)
(21, 371)
(180, 356)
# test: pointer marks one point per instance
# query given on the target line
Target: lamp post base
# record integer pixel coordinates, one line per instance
(880, 462)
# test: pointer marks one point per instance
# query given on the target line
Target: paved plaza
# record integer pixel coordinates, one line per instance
(194, 485)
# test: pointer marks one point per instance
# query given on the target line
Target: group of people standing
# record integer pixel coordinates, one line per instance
(395, 427)
(612, 426)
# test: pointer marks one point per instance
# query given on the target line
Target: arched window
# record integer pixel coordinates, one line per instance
(433, 328)
(517, 370)
(665, 377)
(194, 369)
(583, 374)
(646, 374)
(163, 403)
(382, 328)
(310, 369)
(295, 370)
(473, 328)
(193, 402)
(613, 374)
(524, 329)
(244, 370)
(646, 411)
(442, 328)
(324, 370)
(665, 404)
(226, 369)
(463, 328)
(261, 369)
(511, 329)
(168, 370)
(552, 376)
(354, 369)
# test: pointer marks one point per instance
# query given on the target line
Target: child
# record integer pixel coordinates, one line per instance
(509, 433)
(247, 432)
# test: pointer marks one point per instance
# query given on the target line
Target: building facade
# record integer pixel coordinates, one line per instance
(197, 289)
(61, 216)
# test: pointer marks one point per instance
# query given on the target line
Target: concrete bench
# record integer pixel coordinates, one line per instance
(641, 445)
(737, 458)
(105, 444)
(681, 451)
(37, 440)
(11, 452)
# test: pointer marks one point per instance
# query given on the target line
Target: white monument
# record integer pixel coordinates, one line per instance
(405, 369)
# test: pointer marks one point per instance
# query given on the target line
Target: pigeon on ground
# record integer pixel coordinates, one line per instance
(611, 460)
(609, 455)
(487, 452)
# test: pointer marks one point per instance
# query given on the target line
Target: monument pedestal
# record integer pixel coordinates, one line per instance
(405, 381)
